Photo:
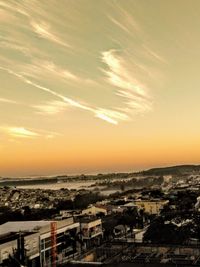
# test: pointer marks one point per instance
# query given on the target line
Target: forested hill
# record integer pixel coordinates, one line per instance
(173, 170)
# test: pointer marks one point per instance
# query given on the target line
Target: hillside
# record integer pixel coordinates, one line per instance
(173, 170)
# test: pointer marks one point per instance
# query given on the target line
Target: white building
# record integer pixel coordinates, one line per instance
(94, 210)
(40, 239)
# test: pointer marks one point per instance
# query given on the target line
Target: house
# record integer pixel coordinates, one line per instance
(94, 210)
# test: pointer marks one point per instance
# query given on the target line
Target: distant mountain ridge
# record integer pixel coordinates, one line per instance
(173, 170)
(170, 170)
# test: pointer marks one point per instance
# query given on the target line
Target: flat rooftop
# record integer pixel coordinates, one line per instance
(31, 226)
(11, 236)
(88, 219)
(23, 226)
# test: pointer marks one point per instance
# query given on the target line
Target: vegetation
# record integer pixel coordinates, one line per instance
(81, 201)
(177, 225)
(7, 214)
(160, 232)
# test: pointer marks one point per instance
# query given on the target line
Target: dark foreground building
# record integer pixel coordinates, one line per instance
(140, 255)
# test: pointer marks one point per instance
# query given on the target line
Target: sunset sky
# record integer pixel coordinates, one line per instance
(89, 86)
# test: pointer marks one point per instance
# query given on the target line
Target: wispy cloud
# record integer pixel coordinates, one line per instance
(118, 24)
(104, 114)
(111, 116)
(123, 19)
(5, 15)
(9, 101)
(20, 132)
(119, 75)
(48, 68)
(14, 46)
(135, 97)
(45, 68)
(51, 107)
(104, 117)
(154, 54)
(43, 29)
(26, 133)
(12, 8)
(135, 103)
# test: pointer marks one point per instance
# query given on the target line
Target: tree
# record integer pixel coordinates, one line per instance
(108, 225)
(122, 187)
(129, 219)
(159, 233)
(166, 233)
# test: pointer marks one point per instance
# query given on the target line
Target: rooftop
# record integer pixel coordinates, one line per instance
(10, 237)
(23, 226)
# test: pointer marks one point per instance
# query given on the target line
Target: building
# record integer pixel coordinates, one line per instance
(151, 206)
(91, 230)
(66, 240)
(23, 247)
(39, 243)
(94, 210)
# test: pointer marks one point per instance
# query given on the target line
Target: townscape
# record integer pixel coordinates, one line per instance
(99, 133)
(155, 224)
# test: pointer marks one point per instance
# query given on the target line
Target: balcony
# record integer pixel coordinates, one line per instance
(88, 233)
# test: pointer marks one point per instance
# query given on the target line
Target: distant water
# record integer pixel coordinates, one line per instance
(69, 185)
(57, 186)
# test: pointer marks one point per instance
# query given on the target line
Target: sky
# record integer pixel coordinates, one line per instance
(90, 86)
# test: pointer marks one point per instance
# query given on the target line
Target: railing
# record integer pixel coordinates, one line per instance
(92, 234)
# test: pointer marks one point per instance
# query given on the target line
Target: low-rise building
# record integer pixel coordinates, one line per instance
(151, 206)
(94, 210)
(23, 247)
(91, 230)
(42, 241)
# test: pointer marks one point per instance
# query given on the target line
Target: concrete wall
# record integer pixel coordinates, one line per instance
(31, 243)
(6, 249)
